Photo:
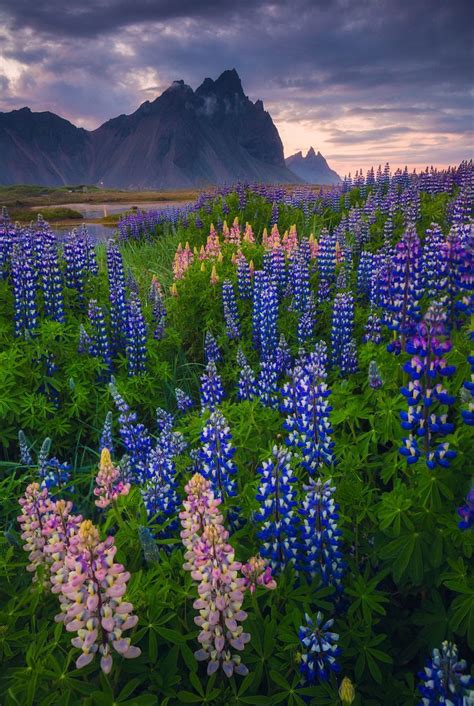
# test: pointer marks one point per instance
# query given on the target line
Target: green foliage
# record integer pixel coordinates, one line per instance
(409, 582)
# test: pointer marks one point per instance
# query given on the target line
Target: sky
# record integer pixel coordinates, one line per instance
(363, 81)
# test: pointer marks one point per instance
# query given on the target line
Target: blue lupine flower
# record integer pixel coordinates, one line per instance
(373, 329)
(159, 311)
(246, 386)
(117, 297)
(51, 278)
(432, 266)
(151, 553)
(444, 680)
(326, 258)
(231, 314)
(24, 291)
(343, 354)
(244, 280)
(467, 395)
(135, 438)
(425, 393)
(54, 474)
(99, 346)
(106, 439)
(265, 315)
(79, 255)
(216, 455)
(320, 653)
(136, 338)
(321, 554)
(159, 493)
(307, 322)
(267, 383)
(276, 514)
(212, 353)
(212, 392)
(171, 441)
(375, 379)
(183, 401)
(299, 279)
(308, 411)
(365, 273)
(84, 341)
(283, 359)
(25, 455)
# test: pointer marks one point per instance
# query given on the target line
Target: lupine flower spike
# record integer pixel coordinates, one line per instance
(108, 484)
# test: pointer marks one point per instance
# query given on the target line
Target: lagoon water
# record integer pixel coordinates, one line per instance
(99, 231)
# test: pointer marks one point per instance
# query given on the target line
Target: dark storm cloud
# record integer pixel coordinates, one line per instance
(371, 71)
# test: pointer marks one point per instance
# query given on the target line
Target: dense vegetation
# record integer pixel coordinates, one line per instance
(263, 405)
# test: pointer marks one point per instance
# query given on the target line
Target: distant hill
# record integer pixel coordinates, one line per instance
(183, 138)
(313, 168)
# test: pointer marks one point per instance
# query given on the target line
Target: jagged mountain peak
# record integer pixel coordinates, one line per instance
(313, 168)
(183, 138)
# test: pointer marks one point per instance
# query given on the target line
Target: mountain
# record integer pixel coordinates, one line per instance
(313, 168)
(183, 138)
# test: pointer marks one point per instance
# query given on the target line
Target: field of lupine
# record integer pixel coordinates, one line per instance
(237, 451)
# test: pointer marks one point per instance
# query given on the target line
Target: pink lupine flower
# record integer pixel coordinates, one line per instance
(257, 573)
(37, 508)
(182, 260)
(274, 241)
(108, 486)
(213, 246)
(233, 236)
(290, 241)
(210, 560)
(59, 531)
(92, 588)
(248, 234)
(225, 231)
(265, 239)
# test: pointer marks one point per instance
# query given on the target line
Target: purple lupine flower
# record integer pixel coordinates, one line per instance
(276, 514)
(84, 341)
(99, 341)
(467, 394)
(231, 313)
(466, 511)
(425, 393)
(405, 290)
(320, 537)
(136, 338)
(343, 353)
(212, 392)
(246, 387)
(375, 379)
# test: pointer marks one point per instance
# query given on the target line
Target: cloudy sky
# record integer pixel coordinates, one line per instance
(363, 81)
